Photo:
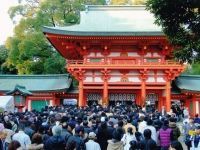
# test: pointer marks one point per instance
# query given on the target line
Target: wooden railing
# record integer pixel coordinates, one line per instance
(114, 63)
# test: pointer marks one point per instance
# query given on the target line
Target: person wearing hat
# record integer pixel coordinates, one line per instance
(91, 144)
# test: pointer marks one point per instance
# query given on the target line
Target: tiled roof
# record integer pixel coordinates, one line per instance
(111, 21)
(20, 89)
(36, 83)
(188, 83)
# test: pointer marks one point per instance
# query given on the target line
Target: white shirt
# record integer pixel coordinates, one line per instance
(126, 140)
(92, 145)
(22, 138)
(141, 126)
(153, 132)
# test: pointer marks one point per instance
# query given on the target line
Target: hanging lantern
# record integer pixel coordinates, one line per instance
(19, 100)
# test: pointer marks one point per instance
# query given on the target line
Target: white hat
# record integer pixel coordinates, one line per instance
(103, 119)
(92, 135)
(57, 130)
(51, 113)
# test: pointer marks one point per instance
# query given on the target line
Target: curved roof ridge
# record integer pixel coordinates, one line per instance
(113, 7)
(112, 21)
(34, 75)
(188, 75)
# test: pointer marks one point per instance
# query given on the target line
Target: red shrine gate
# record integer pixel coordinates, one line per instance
(126, 60)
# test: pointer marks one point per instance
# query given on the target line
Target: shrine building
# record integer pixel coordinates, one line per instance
(117, 53)
(37, 91)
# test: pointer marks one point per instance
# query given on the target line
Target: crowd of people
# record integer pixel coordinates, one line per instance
(121, 127)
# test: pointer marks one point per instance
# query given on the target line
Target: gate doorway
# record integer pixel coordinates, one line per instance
(121, 98)
(93, 98)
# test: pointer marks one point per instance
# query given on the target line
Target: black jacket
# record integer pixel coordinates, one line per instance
(79, 142)
(55, 142)
(148, 144)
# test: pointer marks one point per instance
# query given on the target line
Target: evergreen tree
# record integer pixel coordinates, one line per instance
(29, 51)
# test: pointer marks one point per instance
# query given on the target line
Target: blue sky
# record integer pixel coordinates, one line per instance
(6, 25)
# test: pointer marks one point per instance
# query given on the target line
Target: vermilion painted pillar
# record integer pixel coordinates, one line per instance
(168, 96)
(26, 103)
(159, 103)
(80, 98)
(194, 105)
(54, 101)
(187, 103)
(143, 78)
(143, 93)
(137, 100)
(105, 92)
(105, 86)
(29, 105)
(163, 102)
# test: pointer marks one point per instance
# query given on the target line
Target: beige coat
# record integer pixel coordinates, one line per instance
(115, 145)
(35, 147)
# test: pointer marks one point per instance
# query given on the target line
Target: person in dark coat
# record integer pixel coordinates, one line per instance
(175, 129)
(102, 136)
(111, 129)
(56, 141)
(87, 129)
(197, 119)
(77, 139)
(68, 131)
(148, 143)
(176, 145)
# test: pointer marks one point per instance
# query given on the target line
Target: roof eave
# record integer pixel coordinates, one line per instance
(190, 91)
(47, 30)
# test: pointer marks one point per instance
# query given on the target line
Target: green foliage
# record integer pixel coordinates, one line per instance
(3, 64)
(28, 50)
(3, 54)
(193, 69)
(54, 64)
(180, 21)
